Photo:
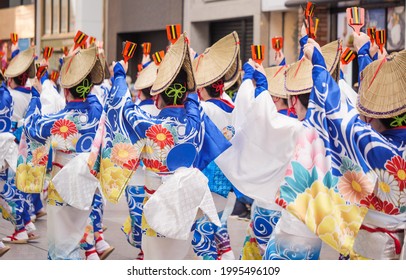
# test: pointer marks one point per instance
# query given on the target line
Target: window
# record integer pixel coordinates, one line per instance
(59, 16)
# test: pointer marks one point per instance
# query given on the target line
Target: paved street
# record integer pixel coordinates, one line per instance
(113, 218)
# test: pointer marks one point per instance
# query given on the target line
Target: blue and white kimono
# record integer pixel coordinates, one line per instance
(58, 138)
(209, 241)
(173, 146)
(11, 203)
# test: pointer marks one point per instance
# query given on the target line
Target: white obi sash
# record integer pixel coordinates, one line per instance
(172, 208)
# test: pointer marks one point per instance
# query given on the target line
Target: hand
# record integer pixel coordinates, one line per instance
(192, 53)
(124, 64)
(309, 48)
(303, 31)
(36, 84)
(145, 59)
(279, 56)
(260, 68)
(373, 50)
(360, 40)
(14, 47)
(382, 55)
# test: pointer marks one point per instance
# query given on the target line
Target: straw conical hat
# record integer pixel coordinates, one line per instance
(176, 58)
(276, 78)
(146, 77)
(76, 67)
(22, 62)
(298, 77)
(236, 78)
(221, 59)
(382, 93)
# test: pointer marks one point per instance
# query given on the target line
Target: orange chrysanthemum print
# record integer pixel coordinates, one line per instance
(40, 156)
(64, 128)
(155, 165)
(122, 153)
(160, 135)
(354, 186)
(397, 167)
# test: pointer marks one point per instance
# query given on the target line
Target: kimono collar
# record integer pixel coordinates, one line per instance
(26, 90)
(172, 111)
(396, 135)
(80, 103)
(148, 101)
(223, 104)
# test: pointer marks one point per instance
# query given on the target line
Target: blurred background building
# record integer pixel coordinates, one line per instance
(55, 22)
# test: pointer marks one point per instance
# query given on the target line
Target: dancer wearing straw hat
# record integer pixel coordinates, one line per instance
(8, 149)
(59, 138)
(174, 146)
(21, 68)
(379, 152)
(217, 66)
(134, 192)
(266, 215)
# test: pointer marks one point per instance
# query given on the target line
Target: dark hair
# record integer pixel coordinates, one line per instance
(147, 92)
(304, 99)
(285, 101)
(180, 81)
(82, 89)
(215, 89)
(397, 121)
(21, 80)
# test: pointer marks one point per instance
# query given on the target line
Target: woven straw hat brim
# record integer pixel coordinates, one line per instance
(276, 77)
(298, 78)
(219, 60)
(22, 62)
(237, 77)
(176, 58)
(77, 67)
(383, 96)
(103, 61)
(146, 77)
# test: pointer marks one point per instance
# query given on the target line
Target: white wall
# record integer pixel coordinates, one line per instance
(89, 17)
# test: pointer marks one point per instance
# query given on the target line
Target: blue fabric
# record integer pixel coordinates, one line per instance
(363, 59)
(283, 62)
(218, 182)
(302, 42)
(248, 72)
(6, 107)
(148, 101)
(44, 77)
(146, 64)
(135, 199)
(222, 104)
(15, 53)
(285, 112)
(261, 82)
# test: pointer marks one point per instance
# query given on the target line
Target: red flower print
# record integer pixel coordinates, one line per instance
(372, 202)
(281, 202)
(132, 164)
(160, 135)
(64, 128)
(43, 160)
(389, 208)
(397, 167)
(155, 165)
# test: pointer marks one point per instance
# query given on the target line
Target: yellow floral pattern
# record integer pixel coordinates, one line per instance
(113, 180)
(30, 179)
(326, 214)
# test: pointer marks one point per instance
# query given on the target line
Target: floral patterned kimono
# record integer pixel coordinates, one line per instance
(135, 194)
(11, 209)
(59, 138)
(18, 201)
(173, 147)
(334, 204)
(209, 241)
